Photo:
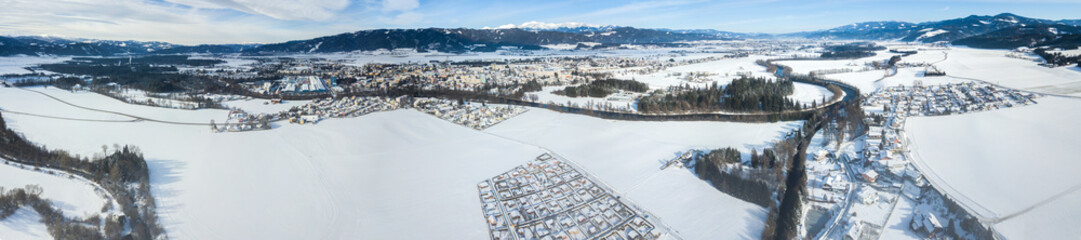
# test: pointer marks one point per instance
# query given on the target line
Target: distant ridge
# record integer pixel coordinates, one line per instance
(999, 31)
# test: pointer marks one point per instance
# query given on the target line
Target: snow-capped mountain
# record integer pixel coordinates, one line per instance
(571, 27)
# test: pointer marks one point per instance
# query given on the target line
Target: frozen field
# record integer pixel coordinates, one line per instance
(628, 156)
(390, 175)
(1010, 164)
(993, 66)
(17, 64)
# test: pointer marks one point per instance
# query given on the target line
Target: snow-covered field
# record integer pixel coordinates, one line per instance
(25, 224)
(806, 93)
(389, 175)
(993, 66)
(725, 70)
(17, 64)
(871, 81)
(73, 196)
(257, 106)
(1012, 163)
(628, 156)
(546, 96)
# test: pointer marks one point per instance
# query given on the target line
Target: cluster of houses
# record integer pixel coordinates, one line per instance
(826, 180)
(947, 99)
(240, 121)
(550, 199)
(882, 164)
(476, 116)
(294, 85)
(341, 108)
(888, 108)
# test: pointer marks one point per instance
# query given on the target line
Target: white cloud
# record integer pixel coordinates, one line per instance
(278, 9)
(149, 21)
(404, 19)
(400, 5)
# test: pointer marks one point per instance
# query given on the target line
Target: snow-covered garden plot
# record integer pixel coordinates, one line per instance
(628, 155)
(75, 196)
(897, 226)
(25, 224)
(1005, 164)
(995, 67)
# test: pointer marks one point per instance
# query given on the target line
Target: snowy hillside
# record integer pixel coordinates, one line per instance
(629, 155)
(1013, 165)
(385, 174)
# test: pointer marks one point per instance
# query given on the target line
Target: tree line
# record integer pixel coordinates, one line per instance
(1057, 58)
(124, 173)
(851, 50)
(602, 88)
(59, 226)
(746, 94)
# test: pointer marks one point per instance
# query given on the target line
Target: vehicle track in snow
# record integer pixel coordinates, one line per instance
(139, 118)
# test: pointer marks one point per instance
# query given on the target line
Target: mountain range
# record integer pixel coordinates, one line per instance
(999, 31)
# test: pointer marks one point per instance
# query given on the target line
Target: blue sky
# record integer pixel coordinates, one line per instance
(262, 21)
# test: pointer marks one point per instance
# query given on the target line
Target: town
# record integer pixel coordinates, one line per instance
(549, 199)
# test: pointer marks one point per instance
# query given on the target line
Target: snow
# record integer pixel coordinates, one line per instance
(1005, 161)
(74, 197)
(933, 33)
(397, 174)
(628, 155)
(42, 105)
(897, 227)
(546, 96)
(16, 64)
(25, 224)
(548, 26)
(868, 81)
(257, 106)
(681, 199)
(806, 93)
(993, 66)
(1056, 219)
(806, 66)
(726, 70)
(344, 177)
(1073, 52)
